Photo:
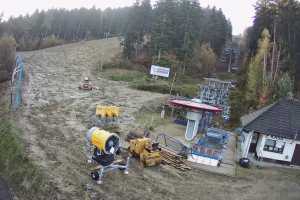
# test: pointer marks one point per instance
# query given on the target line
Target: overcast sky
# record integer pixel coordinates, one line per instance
(240, 12)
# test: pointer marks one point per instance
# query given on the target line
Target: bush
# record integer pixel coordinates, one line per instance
(285, 86)
(7, 57)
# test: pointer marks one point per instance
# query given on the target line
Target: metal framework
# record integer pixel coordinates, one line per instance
(216, 92)
(16, 84)
(98, 174)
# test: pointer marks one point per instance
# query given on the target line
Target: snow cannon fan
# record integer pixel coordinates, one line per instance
(103, 147)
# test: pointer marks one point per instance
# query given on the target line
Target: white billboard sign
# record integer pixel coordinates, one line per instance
(160, 71)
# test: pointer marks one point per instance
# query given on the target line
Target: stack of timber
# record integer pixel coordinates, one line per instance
(174, 160)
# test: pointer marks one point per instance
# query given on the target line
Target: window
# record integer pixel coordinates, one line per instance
(275, 146)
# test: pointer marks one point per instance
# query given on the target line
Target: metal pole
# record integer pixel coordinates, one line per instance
(173, 81)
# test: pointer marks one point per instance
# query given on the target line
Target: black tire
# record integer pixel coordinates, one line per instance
(245, 162)
(122, 169)
(95, 176)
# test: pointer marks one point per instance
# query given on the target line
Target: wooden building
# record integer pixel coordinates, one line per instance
(273, 133)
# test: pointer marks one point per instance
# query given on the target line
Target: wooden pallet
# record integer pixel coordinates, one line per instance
(174, 160)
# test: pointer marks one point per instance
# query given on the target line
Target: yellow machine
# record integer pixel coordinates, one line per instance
(148, 152)
(104, 141)
(86, 85)
(107, 111)
(103, 147)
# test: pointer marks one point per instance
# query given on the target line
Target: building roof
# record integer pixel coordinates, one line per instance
(247, 119)
(193, 105)
(281, 119)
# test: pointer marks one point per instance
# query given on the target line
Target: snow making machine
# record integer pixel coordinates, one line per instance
(103, 149)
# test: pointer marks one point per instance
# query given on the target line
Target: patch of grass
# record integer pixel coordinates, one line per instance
(128, 76)
(120, 63)
(226, 76)
(184, 85)
(21, 173)
(152, 86)
(187, 90)
(149, 120)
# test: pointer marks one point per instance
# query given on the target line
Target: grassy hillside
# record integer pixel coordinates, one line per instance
(26, 179)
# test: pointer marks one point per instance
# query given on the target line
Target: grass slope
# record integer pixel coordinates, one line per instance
(22, 174)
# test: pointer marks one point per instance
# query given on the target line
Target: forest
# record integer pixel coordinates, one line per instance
(271, 68)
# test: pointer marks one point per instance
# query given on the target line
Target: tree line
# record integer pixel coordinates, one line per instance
(272, 63)
(56, 26)
(178, 31)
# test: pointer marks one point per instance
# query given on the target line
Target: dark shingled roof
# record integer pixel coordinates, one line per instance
(282, 119)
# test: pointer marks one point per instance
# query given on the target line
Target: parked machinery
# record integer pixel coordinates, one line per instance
(102, 148)
(86, 85)
(107, 116)
(147, 151)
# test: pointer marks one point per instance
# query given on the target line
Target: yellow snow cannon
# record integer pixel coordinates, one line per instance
(103, 147)
(104, 141)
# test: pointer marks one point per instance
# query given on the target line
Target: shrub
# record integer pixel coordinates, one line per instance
(7, 57)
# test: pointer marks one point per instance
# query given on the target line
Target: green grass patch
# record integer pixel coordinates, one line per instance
(226, 76)
(26, 179)
(127, 76)
(149, 120)
(184, 85)
(160, 86)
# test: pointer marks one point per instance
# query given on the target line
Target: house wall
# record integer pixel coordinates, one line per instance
(287, 154)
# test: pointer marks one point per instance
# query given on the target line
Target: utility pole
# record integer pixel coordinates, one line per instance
(173, 81)
(101, 61)
(230, 61)
(158, 58)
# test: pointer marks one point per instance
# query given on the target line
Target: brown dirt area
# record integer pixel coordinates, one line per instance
(56, 115)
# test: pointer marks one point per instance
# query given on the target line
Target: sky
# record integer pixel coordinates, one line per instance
(240, 12)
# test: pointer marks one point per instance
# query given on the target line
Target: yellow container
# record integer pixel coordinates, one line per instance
(103, 140)
(115, 111)
(107, 111)
(101, 111)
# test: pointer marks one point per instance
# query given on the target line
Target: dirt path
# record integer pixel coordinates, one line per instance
(55, 118)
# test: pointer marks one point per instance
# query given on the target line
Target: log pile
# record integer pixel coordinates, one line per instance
(174, 160)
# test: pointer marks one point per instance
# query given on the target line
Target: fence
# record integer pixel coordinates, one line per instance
(17, 84)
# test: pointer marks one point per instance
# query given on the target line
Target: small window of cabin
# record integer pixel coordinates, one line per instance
(274, 146)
